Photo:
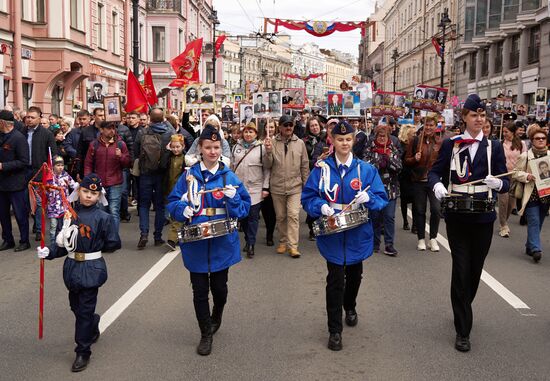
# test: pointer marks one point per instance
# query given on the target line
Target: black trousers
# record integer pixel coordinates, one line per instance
(268, 213)
(83, 303)
(203, 283)
(422, 193)
(342, 287)
(469, 245)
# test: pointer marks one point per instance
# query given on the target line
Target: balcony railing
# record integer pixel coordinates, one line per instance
(164, 5)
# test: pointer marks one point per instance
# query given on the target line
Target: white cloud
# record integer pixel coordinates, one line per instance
(234, 20)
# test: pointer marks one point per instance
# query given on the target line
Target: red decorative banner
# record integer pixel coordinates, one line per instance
(304, 77)
(319, 28)
(218, 44)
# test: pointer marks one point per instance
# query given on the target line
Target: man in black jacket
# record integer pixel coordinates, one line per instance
(88, 135)
(41, 142)
(14, 159)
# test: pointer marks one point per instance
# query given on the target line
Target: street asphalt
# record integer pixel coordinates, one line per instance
(274, 326)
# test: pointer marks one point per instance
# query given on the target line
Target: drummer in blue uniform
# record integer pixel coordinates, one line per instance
(334, 183)
(83, 240)
(208, 260)
(463, 159)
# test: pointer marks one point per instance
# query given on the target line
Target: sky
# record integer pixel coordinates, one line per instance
(237, 21)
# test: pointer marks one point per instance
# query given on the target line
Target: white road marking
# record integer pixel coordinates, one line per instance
(489, 280)
(133, 292)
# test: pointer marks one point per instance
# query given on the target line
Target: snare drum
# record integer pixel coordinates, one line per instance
(467, 204)
(340, 222)
(206, 230)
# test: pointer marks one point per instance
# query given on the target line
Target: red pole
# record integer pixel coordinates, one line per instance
(41, 300)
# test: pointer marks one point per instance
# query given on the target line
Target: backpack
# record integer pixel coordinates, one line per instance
(150, 153)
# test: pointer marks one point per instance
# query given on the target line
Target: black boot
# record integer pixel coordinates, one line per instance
(205, 346)
(250, 251)
(80, 363)
(217, 313)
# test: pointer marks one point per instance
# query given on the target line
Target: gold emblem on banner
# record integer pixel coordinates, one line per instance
(319, 27)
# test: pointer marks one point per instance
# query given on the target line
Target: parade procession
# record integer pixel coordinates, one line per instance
(268, 190)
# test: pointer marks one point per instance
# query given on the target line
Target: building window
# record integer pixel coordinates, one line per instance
(534, 45)
(514, 52)
(498, 57)
(485, 62)
(40, 11)
(481, 17)
(101, 25)
(115, 34)
(158, 43)
(180, 41)
(530, 5)
(469, 24)
(473, 59)
(74, 13)
(209, 72)
(511, 8)
(495, 12)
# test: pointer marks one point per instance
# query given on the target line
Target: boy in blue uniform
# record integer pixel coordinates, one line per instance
(83, 240)
(462, 159)
(208, 260)
(332, 184)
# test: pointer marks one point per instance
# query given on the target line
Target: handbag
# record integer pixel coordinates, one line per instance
(135, 168)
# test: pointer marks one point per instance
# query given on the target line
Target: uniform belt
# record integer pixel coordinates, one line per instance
(334, 205)
(470, 189)
(81, 257)
(209, 212)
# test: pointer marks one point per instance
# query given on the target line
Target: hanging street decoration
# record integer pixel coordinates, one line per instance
(320, 28)
(304, 77)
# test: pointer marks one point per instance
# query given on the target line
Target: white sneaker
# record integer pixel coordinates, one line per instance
(421, 245)
(433, 245)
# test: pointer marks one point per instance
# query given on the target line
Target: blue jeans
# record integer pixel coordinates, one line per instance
(386, 218)
(125, 191)
(114, 195)
(535, 216)
(250, 224)
(150, 190)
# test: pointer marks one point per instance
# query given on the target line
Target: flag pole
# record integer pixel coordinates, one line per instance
(42, 244)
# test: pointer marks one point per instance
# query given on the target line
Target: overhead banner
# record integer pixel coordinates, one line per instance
(320, 28)
(429, 98)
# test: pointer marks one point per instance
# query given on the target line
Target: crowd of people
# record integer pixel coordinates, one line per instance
(273, 168)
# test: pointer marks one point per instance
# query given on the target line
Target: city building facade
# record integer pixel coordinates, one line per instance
(308, 59)
(339, 67)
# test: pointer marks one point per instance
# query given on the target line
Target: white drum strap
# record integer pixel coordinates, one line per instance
(193, 194)
(324, 183)
(489, 152)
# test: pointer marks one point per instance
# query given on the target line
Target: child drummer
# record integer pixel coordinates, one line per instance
(208, 260)
(83, 240)
(332, 184)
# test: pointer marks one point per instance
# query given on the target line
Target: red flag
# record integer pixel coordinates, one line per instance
(168, 102)
(47, 170)
(186, 65)
(219, 43)
(149, 88)
(437, 46)
(136, 100)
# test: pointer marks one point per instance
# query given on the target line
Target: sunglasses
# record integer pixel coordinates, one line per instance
(540, 138)
(288, 125)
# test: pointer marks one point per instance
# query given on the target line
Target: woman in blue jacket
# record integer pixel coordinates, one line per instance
(208, 260)
(333, 184)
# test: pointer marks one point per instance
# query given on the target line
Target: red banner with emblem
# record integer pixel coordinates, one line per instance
(186, 65)
(320, 28)
(149, 88)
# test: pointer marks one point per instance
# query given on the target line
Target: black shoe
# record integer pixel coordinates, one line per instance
(522, 221)
(515, 212)
(80, 363)
(6, 246)
(335, 342)
(406, 226)
(171, 244)
(414, 230)
(250, 251)
(269, 242)
(351, 318)
(462, 343)
(142, 242)
(159, 242)
(390, 250)
(205, 345)
(528, 252)
(126, 218)
(245, 248)
(537, 255)
(311, 236)
(23, 246)
(217, 314)
(38, 237)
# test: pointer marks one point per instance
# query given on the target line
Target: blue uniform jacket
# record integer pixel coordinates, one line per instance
(96, 232)
(478, 169)
(218, 253)
(354, 245)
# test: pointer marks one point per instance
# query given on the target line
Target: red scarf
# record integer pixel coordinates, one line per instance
(382, 148)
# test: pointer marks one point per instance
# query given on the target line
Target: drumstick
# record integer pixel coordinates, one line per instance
(481, 180)
(353, 201)
(213, 190)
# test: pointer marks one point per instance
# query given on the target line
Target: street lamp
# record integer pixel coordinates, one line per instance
(445, 20)
(394, 57)
(214, 18)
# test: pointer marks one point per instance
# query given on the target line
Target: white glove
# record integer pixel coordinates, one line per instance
(362, 197)
(42, 252)
(59, 239)
(440, 191)
(230, 191)
(188, 212)
(327, 210)
(493, 183)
